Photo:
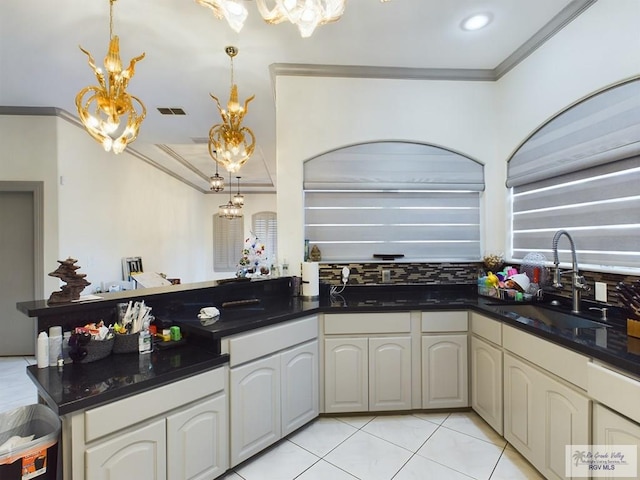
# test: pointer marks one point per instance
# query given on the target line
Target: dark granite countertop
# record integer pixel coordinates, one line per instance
(608, 344)
(79, 386)
(75, 387)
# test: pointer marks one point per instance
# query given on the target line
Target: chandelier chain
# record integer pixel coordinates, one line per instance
(111, 2)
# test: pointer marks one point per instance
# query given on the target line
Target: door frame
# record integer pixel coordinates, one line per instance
(37, 189)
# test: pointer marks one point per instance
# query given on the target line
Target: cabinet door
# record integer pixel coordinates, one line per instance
(486, 382)
(254, 407)
(390, 373)
(566, 422)
(523, 412)
(299, 387)
(346, 375)
(444, 371)
(609, 428)
(139, 454)
(197, 445)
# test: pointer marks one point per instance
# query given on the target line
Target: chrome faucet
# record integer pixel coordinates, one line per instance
(578, 283)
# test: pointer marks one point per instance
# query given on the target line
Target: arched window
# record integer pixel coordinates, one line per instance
(581, 172)
(388, 198)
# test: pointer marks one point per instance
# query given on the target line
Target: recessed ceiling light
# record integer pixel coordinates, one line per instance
(476, 22)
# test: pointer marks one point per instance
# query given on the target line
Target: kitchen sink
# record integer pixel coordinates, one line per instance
(553, 318)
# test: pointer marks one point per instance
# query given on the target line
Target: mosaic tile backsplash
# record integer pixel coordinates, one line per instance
(402, 273)
(454, 274)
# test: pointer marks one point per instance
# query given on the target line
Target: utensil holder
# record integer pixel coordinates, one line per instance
(126, 343)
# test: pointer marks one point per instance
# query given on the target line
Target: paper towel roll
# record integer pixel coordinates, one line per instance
(310, 279)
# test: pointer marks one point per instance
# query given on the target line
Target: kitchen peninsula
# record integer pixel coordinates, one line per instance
(128, 399)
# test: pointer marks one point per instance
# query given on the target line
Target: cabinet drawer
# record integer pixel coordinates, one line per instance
(556, 359)
(115, 416)
(265, 341)
(367, 323)
(487, 328)
(445, 321)
(618, 391)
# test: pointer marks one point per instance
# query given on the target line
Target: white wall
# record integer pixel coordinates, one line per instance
(599, 48)
(113, 206)
(315, 115)
(486, 121)
(28, 154)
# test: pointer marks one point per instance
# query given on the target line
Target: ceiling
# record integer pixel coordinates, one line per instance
(184, 43)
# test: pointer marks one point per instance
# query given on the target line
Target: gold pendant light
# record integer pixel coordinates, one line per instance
(109, 114)
(231, 144)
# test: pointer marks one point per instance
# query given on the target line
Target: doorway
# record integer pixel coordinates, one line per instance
(21, 252)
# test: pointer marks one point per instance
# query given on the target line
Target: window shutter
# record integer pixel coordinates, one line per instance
(228, 243)
(265, 227)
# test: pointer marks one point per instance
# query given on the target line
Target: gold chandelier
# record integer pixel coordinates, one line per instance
(304, 14)
(231, 144)
(109, 113)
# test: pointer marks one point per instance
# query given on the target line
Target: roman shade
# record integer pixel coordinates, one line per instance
(386, 198)
(601, 129)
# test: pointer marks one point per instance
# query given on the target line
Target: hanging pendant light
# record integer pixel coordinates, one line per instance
(230, 210)
(109, 114)
(230, 143)
(217, 182)
(238, 200)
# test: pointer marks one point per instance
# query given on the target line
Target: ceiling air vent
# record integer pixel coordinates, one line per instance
(171, 111)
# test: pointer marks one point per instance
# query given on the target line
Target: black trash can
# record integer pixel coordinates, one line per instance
(29, 443)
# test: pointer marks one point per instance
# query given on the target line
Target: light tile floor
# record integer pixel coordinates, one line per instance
(422, 446)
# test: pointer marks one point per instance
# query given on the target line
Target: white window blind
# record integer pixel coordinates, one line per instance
(581, 172)
(599, 207)
(393, 198)
(228, 243)
(265, 227)
(601, 129)
(428, 226)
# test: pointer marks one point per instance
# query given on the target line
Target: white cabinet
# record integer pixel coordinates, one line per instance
(139, 454)
(178, 431)
(299, 386)
(255, 407)
(272, 397)
(368, 362)
(367, 374)
(273, 385)
(486, 382)
(346, 370)
(609, 428)
(444, 371)
(197, 441)
(389, 373)
(521, 427)
(542, 415)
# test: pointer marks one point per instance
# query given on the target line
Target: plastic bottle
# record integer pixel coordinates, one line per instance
(42, 354)
(65, 347)
(55, 345)
(144, 340)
